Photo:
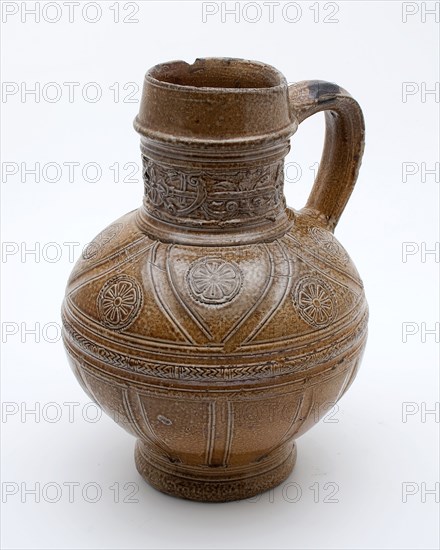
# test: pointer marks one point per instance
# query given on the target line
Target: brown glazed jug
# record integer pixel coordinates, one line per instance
(214, 323)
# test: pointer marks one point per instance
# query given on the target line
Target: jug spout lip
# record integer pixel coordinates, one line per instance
(215, 100)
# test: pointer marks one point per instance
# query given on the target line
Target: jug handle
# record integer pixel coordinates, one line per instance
(343, 145)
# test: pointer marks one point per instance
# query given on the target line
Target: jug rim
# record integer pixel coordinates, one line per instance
(215, 102)
(189, 76)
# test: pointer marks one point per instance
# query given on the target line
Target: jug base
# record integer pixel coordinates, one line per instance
(215, 483)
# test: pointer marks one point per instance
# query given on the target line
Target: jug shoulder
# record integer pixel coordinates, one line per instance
(264, 298)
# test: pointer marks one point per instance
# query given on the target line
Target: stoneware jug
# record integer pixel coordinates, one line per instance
(214, 323)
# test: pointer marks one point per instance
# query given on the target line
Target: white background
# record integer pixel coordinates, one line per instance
(364, 448)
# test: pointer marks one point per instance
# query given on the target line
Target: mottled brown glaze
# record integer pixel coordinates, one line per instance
(214, 323)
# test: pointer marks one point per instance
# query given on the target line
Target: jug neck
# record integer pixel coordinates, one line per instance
(213, 195)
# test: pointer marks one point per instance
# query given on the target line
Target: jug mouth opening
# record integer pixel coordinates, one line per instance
(217, 73)
(215, 102)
